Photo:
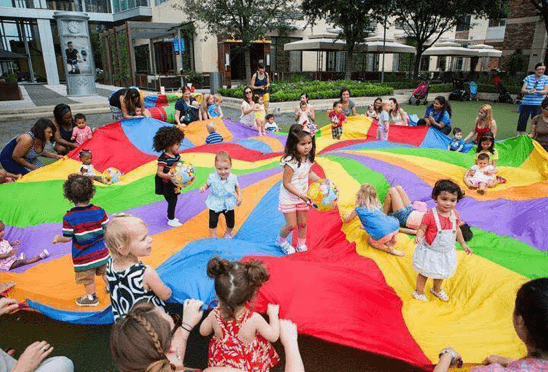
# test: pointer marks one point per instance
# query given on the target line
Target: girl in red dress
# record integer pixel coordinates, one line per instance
(242, 338)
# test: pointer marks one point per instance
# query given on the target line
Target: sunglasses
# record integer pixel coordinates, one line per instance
(177, 321)
(248, 92)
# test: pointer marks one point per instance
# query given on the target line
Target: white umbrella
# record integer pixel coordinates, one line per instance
(391, 47)
(451, 51)
(316, 45)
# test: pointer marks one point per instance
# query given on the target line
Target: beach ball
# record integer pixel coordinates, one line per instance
(324, 195)
(112, 175)
(182, 174)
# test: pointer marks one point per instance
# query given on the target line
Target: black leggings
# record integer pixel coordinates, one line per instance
(214, 218)
(171, 198)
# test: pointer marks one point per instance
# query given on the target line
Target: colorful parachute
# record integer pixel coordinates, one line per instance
(340, 290)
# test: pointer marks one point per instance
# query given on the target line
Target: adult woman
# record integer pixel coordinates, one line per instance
(248, 114)
(123, 103)
(397, 115)
(539, 126)
(260, 81)
(377, 109)
(530, 314)
(64, 123)
(305, 109)
(187, 109)
(438, 115)
(20, 155)
(148, 340)
(349, 107)
(484, 123)
(534, 89)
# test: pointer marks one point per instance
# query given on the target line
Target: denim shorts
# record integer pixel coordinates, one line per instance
(403, 214)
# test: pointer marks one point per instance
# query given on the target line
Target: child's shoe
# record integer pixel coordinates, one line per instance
(441, 294)
(286, 247)
(420, 297)
(302, 248)
(22, 257)
(44, 254)
(174, 222)
(86, 301)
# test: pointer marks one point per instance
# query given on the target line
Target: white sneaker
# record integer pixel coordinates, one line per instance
(302, 248)
(286, 247)
(174, 223)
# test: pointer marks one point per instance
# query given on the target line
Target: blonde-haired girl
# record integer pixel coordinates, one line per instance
(484, 123)
(208, 99)
(382, 229)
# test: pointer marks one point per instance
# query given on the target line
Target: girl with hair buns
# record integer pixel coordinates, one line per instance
(530, 322)
(241, 337)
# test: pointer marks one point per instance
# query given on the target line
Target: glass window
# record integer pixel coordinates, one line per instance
(497, 22)
(98, 6)
(463, 24)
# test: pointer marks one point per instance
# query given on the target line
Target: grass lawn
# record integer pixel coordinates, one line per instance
(464, 115)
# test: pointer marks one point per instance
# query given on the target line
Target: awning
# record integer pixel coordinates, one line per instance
(485, 50)
(390, 47)
(6, 55)
(453, 51)
(316, 45)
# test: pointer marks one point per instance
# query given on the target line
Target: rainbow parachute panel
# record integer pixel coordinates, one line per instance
(341, 290)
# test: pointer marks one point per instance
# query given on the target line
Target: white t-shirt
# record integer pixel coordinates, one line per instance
(271, 126)
(299, 180)
(248, 119)
(479, 174)
(87, 170)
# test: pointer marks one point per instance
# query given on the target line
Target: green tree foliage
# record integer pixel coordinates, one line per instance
(426, 21)
(245, 20)
(517, 63)
(353, 17)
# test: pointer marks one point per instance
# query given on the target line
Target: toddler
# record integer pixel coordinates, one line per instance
(207, 101)
(9, 258)
(129, 280)
(299, 154)
(214, 107)
(84, 226)
(213, 137)
(384, 122)
(138, 111)
(337, 118)
(435, 255)
(381, 228)
(87, 168)
(6, 177)
(481, 175)
(81, 132)
(225, 194)
(270, 124)
(260, 114)
(242, 338)
(457, 143)
(167, 141)
(303, 115)
(370, 111)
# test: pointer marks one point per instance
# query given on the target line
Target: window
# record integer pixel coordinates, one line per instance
(463, 24)
(497, 22)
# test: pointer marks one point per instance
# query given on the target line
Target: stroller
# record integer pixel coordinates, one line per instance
(459, 90)
(504, 96)
(420, 93)
(472, 91)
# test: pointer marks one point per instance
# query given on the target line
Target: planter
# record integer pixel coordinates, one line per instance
(10, 92)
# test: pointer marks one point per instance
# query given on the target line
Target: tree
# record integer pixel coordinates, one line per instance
(245, 20)
(427, 20)
(353, 17)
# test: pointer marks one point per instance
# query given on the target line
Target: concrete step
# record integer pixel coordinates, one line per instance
(42, 109)
(28, 115)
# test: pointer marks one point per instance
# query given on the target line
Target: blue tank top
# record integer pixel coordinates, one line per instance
(66, 134)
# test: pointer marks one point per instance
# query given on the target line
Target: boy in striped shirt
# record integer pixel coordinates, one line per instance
(213, 136)
(84, 225)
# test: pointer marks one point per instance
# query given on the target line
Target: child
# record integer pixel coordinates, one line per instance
(84, 226)
(303, 115)
(206, 102)
(371, 111)
(138, 111)
(167, 140)
(337, 119)
(129, 280)
(87, 168)
(486, 145)
(81, 132)
(8, 255)
(242, 338)
(214, 107)
(6, 177)
(213, 137)
(457, 143)
(381, 228)
(225, 194)
(260, 114)
(481, 175)
(300, 150)
(384, 122)
(435, 255)
(270, 124)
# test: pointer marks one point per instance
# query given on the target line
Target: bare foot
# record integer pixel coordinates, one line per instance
(397, 252)
(6, 286)
(481, 191)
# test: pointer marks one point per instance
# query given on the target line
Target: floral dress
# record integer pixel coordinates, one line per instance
(230, 351)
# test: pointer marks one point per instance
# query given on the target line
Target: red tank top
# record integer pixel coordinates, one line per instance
(481, 131)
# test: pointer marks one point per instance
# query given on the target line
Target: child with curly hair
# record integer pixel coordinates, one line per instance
(242, 338)
(84, 225)
(167, 141)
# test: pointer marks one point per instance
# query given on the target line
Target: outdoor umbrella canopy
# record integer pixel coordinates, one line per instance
(316, 45)
(455, 51)
(485, 50)
(6, 55)
(390, 47)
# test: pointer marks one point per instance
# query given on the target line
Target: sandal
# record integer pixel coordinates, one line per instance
(420, 297)
(441, 294)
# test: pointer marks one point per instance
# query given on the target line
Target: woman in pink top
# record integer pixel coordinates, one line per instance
(530, 314)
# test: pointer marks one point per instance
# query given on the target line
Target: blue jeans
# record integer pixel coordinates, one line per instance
(526, 111)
